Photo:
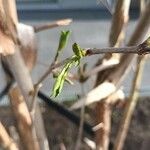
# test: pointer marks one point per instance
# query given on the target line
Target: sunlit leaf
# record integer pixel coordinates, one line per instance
(78, 51)
(57, 88)
(63, 39)
(62, 43)
(75, 60)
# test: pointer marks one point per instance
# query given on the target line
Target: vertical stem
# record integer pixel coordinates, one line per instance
(131, 104)
(80, 133)
(24, 121)
(103, 110)
(5, 140)
(130, 107)
(21, 73)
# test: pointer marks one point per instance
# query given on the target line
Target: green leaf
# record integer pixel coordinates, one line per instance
(62, 43)
(63, 40)
(78, 51)
(75, 60)
(60, 80)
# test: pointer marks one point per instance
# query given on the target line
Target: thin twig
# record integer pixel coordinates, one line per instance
(50, 69)
(97, 69)
(34, 101)
(5, 140)
(131, 49)
(65, 112)
(98, 126)
(90, 143)
(116, 37)
(131, 104)
(63, 22)
(91, 72)
(62, 146)
(24, 121)
(140, 50)
(21, 73)
(80, 133)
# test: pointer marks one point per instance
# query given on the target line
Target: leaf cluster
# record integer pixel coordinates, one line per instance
(74, 61)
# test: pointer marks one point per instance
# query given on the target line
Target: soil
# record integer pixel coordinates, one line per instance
(61, 131)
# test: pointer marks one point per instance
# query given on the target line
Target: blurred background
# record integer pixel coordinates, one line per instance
(90, 28)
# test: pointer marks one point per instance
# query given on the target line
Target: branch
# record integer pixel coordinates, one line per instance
(130, 107)
(7, 45)
(131, 103)
(66, 113)
(59, 108)
(82, 117)
(6, 89)
(51, 68)
(22, 76)
(58, 23)
(115, 74)
(94, 96)
(24, 120)
(140, 50)
(85, 76)
(101, 67)
(119, 22)
(5, 140)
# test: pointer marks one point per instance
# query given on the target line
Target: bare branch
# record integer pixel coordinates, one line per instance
(140, 49)
(63, 22)
(21, 74)
(131, 103)
(24, 120)
(132, 49)
(130, 107)
(99, 93)
(50, 69)
(116, 73)
(80, 132)
(5, 140)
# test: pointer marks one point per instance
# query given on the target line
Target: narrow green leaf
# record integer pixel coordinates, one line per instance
(78, 51)
(63, 40)
(62, 43)
(75, 60)
(60, 80)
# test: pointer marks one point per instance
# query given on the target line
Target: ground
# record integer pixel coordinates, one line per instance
(59, 130)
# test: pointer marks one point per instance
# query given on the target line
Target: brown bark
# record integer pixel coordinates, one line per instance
(5, 140)
(115, 74)
(103, 110)
(130, 106)
(103, 115)
(7, 29)
(28, 46)
(133, 99)
(24, 120)
(63, 22)
(20, 71)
